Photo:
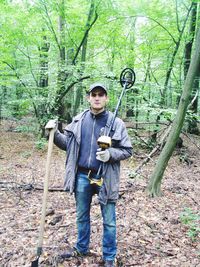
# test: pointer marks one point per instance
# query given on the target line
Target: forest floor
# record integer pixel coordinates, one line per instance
(151, 231)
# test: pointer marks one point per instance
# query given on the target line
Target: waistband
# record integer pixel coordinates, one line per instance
(87, 171)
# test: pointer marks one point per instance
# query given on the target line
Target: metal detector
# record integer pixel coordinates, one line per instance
(127, 80)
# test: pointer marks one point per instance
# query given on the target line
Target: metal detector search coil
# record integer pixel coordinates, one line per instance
(127, 78)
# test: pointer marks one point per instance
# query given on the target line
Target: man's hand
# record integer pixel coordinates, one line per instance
(103, 155)
(51, 124)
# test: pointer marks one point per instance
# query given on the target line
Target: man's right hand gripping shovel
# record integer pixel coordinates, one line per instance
(50, 127)
(51, 124)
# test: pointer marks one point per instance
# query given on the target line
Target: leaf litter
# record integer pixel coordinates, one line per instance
(150, 232)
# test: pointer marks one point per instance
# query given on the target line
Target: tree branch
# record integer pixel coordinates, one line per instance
(30, 65)
(148, 158)
(84, 37)
(177, 19)
(18, 77)
(60, 97)
(27, 187)
(49, 24)
(168, 74)
(150, 18)
(15, 71)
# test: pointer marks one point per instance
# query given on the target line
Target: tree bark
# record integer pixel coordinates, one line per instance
(192, 123)
(154, 186)
(62, 74)
(44, 49)
(79, 91)
(188, 45)
(177, 45)
(58, 108)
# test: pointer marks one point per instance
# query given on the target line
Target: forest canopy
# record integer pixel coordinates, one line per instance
(51, 51)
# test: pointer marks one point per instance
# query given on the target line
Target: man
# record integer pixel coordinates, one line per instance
(82, 164)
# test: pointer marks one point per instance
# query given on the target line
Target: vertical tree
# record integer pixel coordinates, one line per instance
(43, 54)
(79, 55)
(91, 19)
(176, 48)
(157, 175)
(193, 108)
(62, 67)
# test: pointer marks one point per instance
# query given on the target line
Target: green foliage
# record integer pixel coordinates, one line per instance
(191, 116)
(137, 34)
(19, 108)
(192, 221)
(23, 129)
(41, 143)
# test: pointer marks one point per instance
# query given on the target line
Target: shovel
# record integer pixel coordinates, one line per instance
(51, 127)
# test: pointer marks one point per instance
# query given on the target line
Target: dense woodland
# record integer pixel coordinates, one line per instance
(51, 51)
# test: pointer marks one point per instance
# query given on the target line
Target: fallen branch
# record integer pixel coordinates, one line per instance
(27, 187)
(132, 124)
(149, 156)
(191, 140)
(51, 189)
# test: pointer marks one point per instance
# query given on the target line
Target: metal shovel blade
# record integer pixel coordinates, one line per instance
(35, 263)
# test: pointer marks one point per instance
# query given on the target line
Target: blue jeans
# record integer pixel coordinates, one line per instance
(83, 195)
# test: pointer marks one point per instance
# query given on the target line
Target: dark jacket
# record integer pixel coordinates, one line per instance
(122, 149)
(92, 127)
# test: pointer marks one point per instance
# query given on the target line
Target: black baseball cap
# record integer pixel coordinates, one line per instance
(97, 85)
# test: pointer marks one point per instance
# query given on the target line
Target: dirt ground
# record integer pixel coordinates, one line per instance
(150, 230)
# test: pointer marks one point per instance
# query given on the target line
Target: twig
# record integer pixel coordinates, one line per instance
(28, 187)
(191, 139)
(52, 189)
(148, 158)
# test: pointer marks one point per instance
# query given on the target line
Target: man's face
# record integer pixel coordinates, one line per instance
(97, 99)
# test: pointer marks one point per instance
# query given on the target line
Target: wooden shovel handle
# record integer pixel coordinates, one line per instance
(45, 193)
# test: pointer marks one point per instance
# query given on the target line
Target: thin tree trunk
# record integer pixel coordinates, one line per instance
(58, 108)
(79, 92)
(44, 49)
(177, 45)
(188, 46)
(61, 65)
(192, 123)
(154, 186)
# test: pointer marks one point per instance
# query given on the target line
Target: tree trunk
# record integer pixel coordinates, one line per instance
(43, 82)
(192, 123)
(61, 65)
(171, 65)
(157, 175)
(62, 73)
(188, 46)
(79, 91)
(44, 49)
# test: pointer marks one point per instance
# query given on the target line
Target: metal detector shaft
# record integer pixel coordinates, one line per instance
(117, 109)
(127, 79)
